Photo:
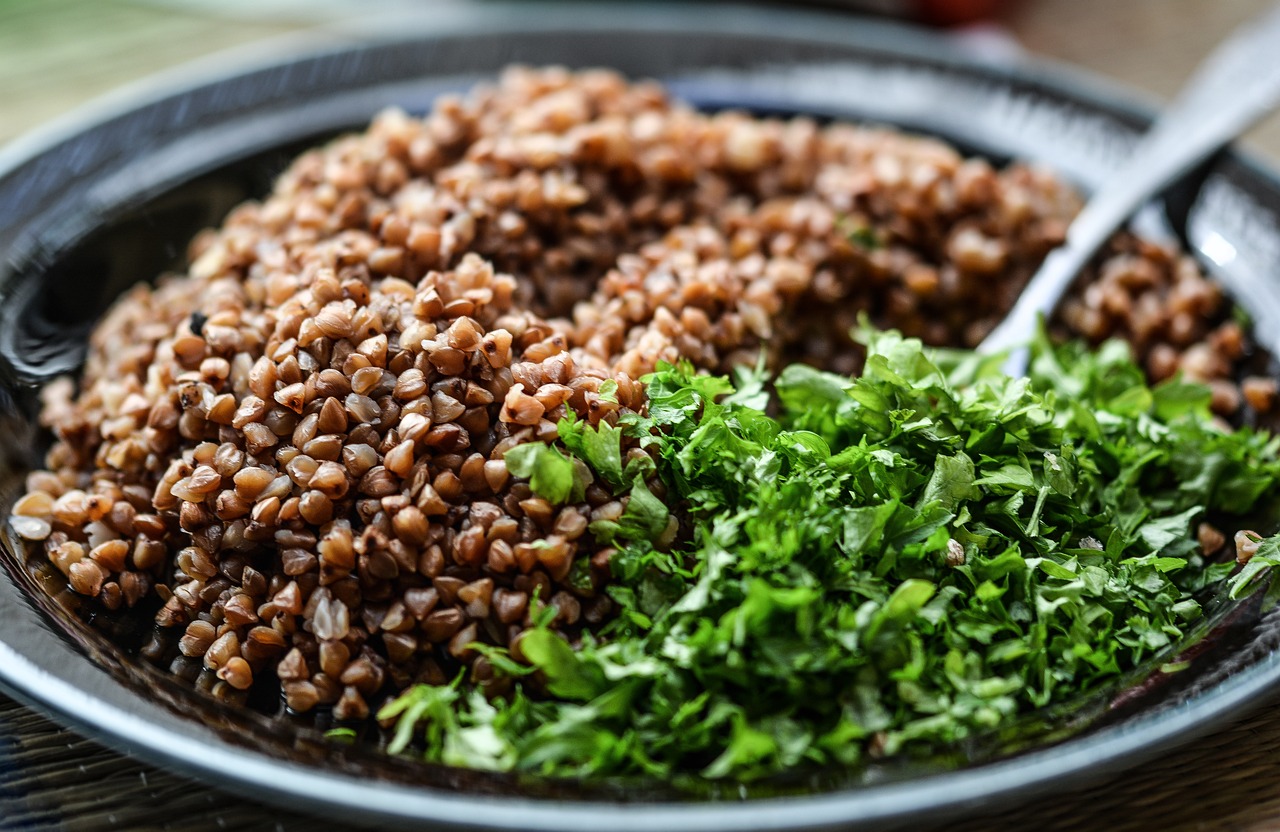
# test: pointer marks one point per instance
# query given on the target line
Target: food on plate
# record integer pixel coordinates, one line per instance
(443, 433)
(894, 562)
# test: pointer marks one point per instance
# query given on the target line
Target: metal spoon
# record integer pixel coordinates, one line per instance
(1236, 86)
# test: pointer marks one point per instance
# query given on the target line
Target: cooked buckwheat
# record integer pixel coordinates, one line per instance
(296, 448)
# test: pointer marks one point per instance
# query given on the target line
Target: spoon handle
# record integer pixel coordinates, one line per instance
(1233, 89)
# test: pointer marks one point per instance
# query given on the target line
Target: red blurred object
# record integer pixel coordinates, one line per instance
(933, 12)
(953, 12)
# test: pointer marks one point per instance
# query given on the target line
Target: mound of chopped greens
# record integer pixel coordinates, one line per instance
(892, 562)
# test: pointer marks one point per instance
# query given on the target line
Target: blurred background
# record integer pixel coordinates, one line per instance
(55, 54)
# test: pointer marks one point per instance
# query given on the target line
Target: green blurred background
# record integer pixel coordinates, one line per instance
(55, 54)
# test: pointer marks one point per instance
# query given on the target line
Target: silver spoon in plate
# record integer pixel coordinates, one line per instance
(1235, 87)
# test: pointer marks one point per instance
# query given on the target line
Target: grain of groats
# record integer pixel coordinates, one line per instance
(297, 448)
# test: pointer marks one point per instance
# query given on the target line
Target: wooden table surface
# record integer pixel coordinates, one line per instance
(56, 54)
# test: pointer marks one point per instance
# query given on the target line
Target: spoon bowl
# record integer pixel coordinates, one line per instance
(1232, 90)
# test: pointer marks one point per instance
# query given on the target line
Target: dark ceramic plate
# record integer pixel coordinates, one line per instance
(91, 205)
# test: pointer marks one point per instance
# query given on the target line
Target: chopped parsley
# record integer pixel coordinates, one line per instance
(889, 563)
(860, 234)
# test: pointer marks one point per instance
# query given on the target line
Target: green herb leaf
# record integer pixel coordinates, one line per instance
(567, 677)
(550, 473)
(915, 557)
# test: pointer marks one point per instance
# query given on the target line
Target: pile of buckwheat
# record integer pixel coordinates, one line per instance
(295, 450)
